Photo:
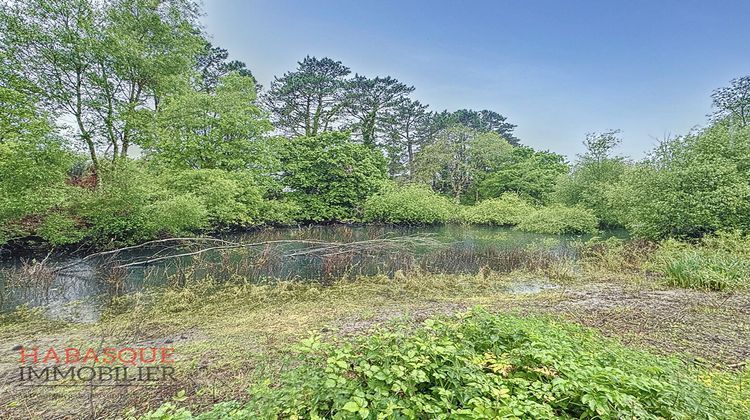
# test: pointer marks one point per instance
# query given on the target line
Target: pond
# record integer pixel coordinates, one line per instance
(74, 286)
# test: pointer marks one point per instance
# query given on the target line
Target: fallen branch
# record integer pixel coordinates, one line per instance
(323, 248)
(144, 244)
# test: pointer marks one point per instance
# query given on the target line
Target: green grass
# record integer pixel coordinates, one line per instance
(718, 263)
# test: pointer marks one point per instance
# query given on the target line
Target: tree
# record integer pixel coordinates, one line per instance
(689, 186)
(484, 120)
(104, 65)
(407, 128)
(33, 162)
(733, 101)
(457, 157)
(330, 176)
(371, 102)
(219, 130)
(212, 65)
(529, 173)
(592, 178)
(309, 100)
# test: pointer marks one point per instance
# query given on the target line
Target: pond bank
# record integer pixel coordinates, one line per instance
(229, 337)
(77, 291)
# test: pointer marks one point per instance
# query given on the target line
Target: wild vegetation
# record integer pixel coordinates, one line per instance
(481, 366)
(121, 123)
(216, 152)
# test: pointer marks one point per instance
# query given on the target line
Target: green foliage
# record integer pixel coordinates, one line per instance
(458, 157)
(178, 215)
(229, 198)
(33, 163)
(480, 366)
(592, 179)
(59, 229)
(690, 186)
(104, 65)
(330, 176)
(558, 220)
(31, 177)
(309, 100)
(133, 205)
(279, 212)
(590, 186)
(720, 262)
(527, 172)
(115, 211)
(222, 129)
(410, 204)
(371, 102)
(507, 210)
(485, 121)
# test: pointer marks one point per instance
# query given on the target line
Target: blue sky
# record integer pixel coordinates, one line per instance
(557, 69)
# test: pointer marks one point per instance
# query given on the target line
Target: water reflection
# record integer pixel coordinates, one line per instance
(77, 290)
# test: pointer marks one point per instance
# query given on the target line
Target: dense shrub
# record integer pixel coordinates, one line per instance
(593, 176)
(689, 186)
(720, 262)
(115, 211)
(32, 172)
(329, 176)
(480, 366)
(507, 210)
(177, 215)
(61, 229)
(557, 219)
(410, 204)
(590, 185)
(230, 198)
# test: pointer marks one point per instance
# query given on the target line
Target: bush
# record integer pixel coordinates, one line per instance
(529, 173)
(115, 211)
(279, 212)
(480, 366)
(59, 229)
(32, 175)
(230, 198)
(508, 210)
(689, 187)
(589, 186)
(720, 262)
(177, 215)
(410, 204)
(558, 220)
(329, 176)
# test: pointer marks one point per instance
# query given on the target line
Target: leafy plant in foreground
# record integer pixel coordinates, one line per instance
(479, 365)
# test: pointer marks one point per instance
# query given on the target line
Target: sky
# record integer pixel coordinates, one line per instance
(556, 69)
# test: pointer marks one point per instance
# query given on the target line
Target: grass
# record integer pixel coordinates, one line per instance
(720, 262)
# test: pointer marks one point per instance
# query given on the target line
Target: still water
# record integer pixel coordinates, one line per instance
(74, 286)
